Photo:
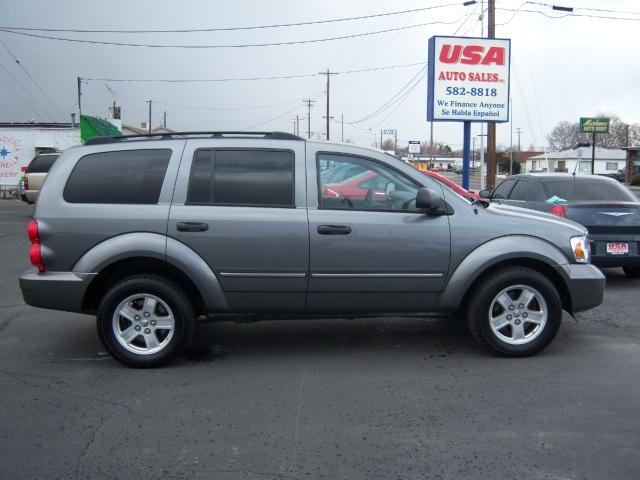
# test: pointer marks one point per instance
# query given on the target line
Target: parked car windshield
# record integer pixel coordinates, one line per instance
(591, 189)
(42, 163)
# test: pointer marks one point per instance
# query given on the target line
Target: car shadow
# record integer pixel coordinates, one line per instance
(435, 337)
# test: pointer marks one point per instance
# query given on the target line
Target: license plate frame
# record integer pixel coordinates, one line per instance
(617, 248)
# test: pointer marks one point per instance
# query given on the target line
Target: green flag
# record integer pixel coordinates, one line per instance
(96, 127)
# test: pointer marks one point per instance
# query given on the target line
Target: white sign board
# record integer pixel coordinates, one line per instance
(388, 131)
(18, 145)
(468, 79)
(414, 146)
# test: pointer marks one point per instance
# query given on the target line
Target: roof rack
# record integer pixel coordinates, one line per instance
(174, 135)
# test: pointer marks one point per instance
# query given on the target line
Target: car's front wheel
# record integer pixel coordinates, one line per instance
(515, 311)
(145, 321)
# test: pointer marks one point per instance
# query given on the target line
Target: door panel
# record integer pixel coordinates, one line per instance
(260, 254)
(384, 258)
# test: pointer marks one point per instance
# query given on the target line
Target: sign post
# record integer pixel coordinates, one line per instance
(593, 126)
(468, 82)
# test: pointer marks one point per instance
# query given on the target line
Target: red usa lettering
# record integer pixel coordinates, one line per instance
(472, 54)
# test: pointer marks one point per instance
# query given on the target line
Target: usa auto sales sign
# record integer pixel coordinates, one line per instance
(468, 79)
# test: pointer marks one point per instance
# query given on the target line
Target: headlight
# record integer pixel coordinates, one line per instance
(581, 249)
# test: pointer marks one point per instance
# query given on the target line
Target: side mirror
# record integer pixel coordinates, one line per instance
(485, 193)
(427, 199)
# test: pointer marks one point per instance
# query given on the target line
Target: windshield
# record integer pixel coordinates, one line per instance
(589, 189)
(42, 163)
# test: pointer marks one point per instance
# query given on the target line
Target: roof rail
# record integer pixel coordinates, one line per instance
(174, 135)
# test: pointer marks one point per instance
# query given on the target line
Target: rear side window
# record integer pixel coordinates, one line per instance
(586, 189)
(42, 163)
(242, 177)
(129, 176)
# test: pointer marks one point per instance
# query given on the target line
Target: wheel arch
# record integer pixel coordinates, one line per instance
(530, 252)
(139, 265)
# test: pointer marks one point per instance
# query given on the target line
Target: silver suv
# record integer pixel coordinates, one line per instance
(152, 233)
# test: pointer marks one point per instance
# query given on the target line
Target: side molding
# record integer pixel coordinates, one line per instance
(492, 253)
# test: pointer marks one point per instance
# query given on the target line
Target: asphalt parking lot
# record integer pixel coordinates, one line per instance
(394, 398)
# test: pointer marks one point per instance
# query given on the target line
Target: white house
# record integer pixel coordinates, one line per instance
(607, 161)
(20, 142)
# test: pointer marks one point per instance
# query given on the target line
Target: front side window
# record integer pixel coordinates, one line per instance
(242, 177)
(520, 191)
(503, 190)
(121, 177)
(356, 183)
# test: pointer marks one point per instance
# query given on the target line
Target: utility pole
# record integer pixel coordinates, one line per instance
(328, 74)
(297, 125)
(395, 143)
(79, 98)
(342, 122)
(511, 130)
(309, 103)
(431, 145)
(149, 124)
(491, 127)
(519, 131)
(473, 151)
(164, 119)
(330, 118)
(294, 126)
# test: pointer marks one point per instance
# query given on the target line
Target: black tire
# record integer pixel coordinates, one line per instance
(478, 312)
(632, 272)
(163, 291)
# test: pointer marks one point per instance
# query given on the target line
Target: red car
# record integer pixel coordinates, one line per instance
(454, 186)
(438, 168)
(357, 187)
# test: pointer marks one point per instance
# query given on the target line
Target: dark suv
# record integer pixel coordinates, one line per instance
(151, 233)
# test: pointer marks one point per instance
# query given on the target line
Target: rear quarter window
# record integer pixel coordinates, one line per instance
(120, 177)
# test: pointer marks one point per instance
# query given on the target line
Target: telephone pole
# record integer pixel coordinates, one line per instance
(342, 122)
(149, 124)
(309, 103)
(328, 74)
(79, 98)
(491, 127)
(519, 131)
(330, 118)
(164, 119)
(297, 125)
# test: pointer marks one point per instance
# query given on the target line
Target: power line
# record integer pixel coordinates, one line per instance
(42, 110)
(558, 17)
(19, 95)
(230, 29)
(244, 79)
(243, 45)
(256, 107)
(32, 79)
(391, 101)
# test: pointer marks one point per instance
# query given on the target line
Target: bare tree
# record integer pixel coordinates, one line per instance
(565, 135)
(387, 144)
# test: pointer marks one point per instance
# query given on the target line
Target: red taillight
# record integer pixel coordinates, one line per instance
(32, 231)
(558, 211)
(35, 255)
(35, 252)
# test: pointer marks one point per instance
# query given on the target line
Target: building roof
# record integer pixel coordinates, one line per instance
(37, 125)
(584, 153)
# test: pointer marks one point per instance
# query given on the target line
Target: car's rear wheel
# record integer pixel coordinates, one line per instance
(632, 272)
(515, 311)
(145, 321)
